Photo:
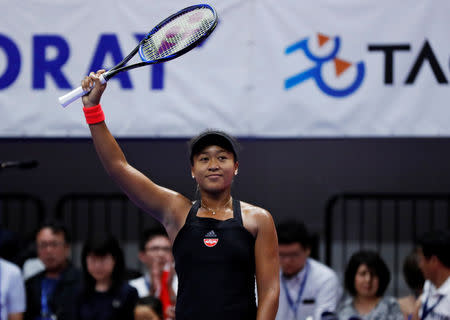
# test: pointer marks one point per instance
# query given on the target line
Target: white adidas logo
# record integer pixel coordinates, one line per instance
(211, 234)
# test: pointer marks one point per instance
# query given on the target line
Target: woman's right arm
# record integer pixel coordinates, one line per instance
(167, 206)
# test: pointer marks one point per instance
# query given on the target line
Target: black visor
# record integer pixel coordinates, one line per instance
(212, 138)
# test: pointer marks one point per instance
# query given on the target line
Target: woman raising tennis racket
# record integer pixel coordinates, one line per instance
(219, 243)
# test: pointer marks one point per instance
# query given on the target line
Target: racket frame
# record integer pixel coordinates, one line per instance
(121, 65)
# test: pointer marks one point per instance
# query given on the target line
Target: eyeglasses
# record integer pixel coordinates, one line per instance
(50, 244)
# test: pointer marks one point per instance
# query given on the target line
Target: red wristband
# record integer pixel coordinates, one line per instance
(94, 114)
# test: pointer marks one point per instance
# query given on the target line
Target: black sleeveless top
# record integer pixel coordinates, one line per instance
(215, 264)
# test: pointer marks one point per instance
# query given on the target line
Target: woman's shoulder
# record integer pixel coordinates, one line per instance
(254, 218)
(346, 303)
(128, 287)
(389, 306)
(253, 211)
(345, 308)
(126, 290)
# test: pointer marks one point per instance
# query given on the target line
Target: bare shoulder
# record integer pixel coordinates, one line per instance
(255, 218)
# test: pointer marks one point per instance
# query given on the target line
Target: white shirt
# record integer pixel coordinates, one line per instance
(31, 267)
(12, 289)
(431, 296)
(293, 284)
(321, 293)
(142, 285)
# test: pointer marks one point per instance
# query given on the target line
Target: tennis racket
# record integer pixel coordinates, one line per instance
(171, 38)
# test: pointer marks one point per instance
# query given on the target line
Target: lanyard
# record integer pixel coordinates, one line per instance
(47, 289)
(45, 311)
(294, 305)
(426, 311)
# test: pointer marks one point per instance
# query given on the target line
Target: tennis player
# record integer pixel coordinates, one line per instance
(220, 244)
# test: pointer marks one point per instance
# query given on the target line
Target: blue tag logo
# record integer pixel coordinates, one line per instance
(341, 66)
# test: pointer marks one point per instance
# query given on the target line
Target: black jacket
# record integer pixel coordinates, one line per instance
(61, 302)
(115, 304)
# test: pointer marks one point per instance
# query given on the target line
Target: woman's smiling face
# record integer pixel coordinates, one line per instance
(214, 168)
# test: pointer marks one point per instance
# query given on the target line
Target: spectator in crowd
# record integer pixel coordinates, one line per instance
(414, 279)
(159, 280)
(148, 308)
(434, 261)
(366, 280)
(308, 287)
(50, 293)
(105, 295)
(12, 291)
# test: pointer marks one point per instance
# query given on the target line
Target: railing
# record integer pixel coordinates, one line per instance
(86, 214)
(386, 223)
(20, 216)
(21, 213)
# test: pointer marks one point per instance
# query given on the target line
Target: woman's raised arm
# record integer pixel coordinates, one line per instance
(167, 206)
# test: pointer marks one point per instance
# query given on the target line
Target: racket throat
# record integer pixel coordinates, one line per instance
(104, 77)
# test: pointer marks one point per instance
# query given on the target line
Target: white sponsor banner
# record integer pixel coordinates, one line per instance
(270, 69)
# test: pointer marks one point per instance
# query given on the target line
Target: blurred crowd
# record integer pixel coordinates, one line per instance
(49, 286)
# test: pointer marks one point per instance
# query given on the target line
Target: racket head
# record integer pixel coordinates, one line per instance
(178, 34)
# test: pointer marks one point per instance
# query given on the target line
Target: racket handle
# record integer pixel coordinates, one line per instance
(75, 94)
(70, 97)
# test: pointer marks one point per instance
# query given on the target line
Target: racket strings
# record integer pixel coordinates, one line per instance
(178, 34)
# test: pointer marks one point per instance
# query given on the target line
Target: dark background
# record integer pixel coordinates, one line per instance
(290, 178)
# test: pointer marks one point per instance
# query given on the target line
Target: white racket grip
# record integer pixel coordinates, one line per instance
(75, 94)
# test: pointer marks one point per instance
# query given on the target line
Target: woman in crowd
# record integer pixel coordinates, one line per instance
(366, 280)
(105, 294)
